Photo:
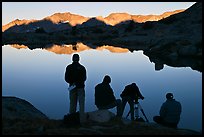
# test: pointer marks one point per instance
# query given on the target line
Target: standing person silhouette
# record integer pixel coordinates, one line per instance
(170, 112)
(75, 74)
(104, 96)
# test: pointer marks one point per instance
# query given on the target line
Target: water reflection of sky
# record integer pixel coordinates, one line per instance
(38, 77)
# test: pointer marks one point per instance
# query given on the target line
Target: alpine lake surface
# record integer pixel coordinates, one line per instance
(37, 76)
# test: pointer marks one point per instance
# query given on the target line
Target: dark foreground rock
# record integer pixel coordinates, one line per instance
(19, 117)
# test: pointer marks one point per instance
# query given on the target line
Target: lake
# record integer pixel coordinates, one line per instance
(38, 76)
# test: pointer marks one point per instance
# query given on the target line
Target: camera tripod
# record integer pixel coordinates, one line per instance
(136, 109)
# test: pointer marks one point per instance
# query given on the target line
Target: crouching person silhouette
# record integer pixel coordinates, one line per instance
(130, 94)
(104, 96)
(170, 112)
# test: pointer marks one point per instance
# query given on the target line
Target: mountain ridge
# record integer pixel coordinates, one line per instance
(74, 19)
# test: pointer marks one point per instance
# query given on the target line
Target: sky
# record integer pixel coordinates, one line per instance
(40, 10)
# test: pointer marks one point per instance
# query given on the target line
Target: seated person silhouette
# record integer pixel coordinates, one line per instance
(170, 112)
(130, 94)
(104, 96)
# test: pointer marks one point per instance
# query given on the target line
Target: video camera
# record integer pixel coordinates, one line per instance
(137, 98)
(141, 97)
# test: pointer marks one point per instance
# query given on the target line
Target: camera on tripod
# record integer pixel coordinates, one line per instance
(138, 107)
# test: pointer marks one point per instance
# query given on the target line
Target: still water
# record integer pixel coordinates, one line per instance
(38, 77)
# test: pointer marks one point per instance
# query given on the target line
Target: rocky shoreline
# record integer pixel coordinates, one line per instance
(19, 117)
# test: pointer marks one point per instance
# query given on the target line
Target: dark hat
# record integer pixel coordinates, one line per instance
(75, 58)
(107, 79)
(169, 96)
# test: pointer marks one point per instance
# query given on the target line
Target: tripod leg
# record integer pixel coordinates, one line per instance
(144, 115)
(136, 112)
(143, 112)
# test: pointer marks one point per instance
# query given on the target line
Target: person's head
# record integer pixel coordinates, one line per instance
(169, 96)
(107, 79)
(75, 58)
(133, 84)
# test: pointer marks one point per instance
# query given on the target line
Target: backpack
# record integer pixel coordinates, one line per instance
(72, 120)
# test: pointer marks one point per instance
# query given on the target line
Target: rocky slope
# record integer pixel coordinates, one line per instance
(20, 117)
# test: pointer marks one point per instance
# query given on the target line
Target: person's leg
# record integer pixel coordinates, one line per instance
(124, 101)
(119, 107)
(158, 119)
(111, 105)
(131, 104)
(117, 103)
(81, 97)
(73, 101)
(172, 125)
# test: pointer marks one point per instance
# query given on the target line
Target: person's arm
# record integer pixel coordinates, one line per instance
(84, 74)
(162, 111)
(123, 93)
(139, 93)
(180, 108)
(67, 75)
(110, 92)
(96, 95)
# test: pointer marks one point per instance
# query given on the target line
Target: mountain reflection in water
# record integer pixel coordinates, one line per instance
(194, 63)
